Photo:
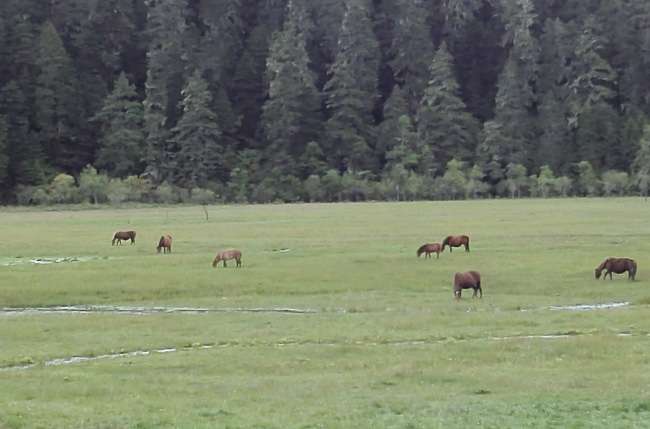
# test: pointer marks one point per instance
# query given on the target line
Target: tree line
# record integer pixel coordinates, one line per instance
(322, 100)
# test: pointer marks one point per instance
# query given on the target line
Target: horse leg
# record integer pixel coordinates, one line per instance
(467, 247)
(224, 263)
(437, 255)
(238, 263)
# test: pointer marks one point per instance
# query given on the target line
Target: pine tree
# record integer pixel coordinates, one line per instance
(445, 128)
(57, 106)
(196, 139)
(595, 82)
(249, 82)
(459, 13)
(641, 164)
(4, 156)
(167, 29)
(555, 147)
(26, 166)
(352, 92)
(388, 130)
(291, 115)
(122, 137)
(412, 50)
(516, 99)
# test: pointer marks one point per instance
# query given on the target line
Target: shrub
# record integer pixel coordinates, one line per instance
(202, 196)
(63, 189)
(313, 188)
(166, 194)
(138, 189)
(117, 191)
(93, 185)
(615, 182)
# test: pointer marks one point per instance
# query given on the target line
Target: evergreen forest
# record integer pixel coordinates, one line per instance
(322, 100)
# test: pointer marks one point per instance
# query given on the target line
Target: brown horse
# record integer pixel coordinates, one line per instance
(123, 235)
(467, 280)
(227, 255)
(456, 241)
(165, 243)
(618, 266)
(430, 248)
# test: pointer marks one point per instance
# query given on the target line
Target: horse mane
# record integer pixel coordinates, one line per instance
(602, 265)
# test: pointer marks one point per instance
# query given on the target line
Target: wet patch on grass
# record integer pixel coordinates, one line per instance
(128, 310)
(21, 260)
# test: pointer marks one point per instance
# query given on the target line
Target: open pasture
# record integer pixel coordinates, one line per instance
(332, 321)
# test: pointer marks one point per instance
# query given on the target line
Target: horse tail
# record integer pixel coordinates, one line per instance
(445, 242)
(467, 243)
(632, 269)
(421, 250)
(215, 262)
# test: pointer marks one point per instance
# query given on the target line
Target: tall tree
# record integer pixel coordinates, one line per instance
(167, 30)
(291, 116)
(4, 157)
(196, 139)
(388, 130)
(26, 163)
(122, 137)
(412, 50)
(516, 99)
(58, 111)
(352, 92)
(445, 128)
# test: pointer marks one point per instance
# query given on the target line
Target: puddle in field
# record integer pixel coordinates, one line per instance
(587, 307)
(288, 343)
(20, 260)
(88, 309)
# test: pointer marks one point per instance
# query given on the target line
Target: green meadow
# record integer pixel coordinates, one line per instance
(332, 322)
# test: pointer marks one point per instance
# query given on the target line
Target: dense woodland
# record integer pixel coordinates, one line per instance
(322, 100)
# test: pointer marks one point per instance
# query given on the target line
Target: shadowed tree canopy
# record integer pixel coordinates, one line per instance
(253, 98)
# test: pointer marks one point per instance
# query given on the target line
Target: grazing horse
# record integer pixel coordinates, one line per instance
(456, 241)
(430, 248)
(467, 280)
(165, 243)
(227, 255)
(123, 235)
(618, 266)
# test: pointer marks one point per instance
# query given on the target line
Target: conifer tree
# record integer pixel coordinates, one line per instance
(4, 157)
(196, 139)
(641, 164)
(412, 50)
(291, 115)
(26, 164)
(122, 137)
(167, 28)
(388, 130)
(58, 111)
(445, 128)
(352, 92)
(516, 99)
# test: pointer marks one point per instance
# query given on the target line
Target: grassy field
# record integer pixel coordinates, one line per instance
(379, 341)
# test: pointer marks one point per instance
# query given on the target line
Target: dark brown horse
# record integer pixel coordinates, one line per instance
(467, 280)
(456, 241)
(227, 255)
(618, 266)
(165, 243)
(123, 235)
(430, 248)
